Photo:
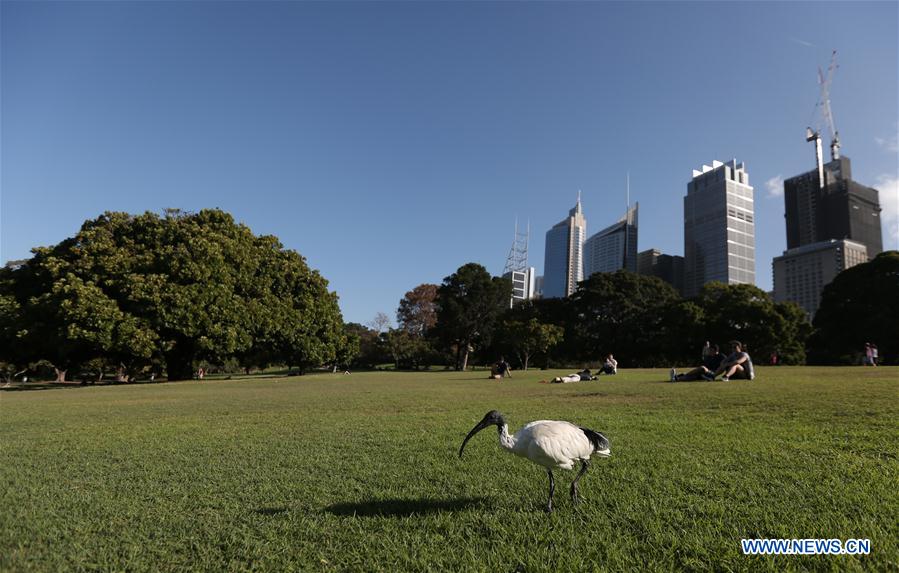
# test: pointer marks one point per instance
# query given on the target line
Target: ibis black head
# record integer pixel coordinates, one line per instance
(492, 418)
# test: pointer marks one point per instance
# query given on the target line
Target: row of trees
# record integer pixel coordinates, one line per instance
(165, 293)
(641, 319)
(150, 292)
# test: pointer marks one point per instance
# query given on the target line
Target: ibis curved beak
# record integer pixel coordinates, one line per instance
(481, 425)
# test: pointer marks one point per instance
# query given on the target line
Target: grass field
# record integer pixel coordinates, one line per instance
(360, 472)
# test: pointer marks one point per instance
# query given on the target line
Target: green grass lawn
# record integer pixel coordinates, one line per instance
(360, 472)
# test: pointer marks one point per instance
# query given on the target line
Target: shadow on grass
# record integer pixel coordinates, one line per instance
(405, 507)
(32, 386)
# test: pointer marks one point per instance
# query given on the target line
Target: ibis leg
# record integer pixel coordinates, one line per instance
(574, 493)
(552, 490)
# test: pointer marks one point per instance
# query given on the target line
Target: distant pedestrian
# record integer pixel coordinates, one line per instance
(774, 358)
(869, 355)
(874, 355)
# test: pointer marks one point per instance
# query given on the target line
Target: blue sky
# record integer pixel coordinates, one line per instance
(390, 143)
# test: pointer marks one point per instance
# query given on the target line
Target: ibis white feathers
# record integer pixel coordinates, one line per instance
(548, 443)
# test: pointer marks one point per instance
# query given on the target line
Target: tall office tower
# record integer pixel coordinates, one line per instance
(669, 268)
(563, 265)
(613, 248)
(838, 208)
(801, 274)
(719, 227)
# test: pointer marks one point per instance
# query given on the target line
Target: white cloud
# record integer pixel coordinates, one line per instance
(775, 186)
(889, 143)
(888, 185)
(803, 43)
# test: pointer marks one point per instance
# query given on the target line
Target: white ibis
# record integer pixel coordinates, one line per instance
(549, 443)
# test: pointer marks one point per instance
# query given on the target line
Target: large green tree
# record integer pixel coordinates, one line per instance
(468, 304)
(746, 313)
(529, 338)
(182, 287)
(860, 305)
(620, 313)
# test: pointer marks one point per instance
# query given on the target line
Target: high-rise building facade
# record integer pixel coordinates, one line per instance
(524, 284)
(563, 265)
(613, 248)
(719, 227)
(839, 209)
(801, 274)
(669, 268)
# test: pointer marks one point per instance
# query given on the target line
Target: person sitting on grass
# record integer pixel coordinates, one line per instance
(711, 361)
(609, 366)
(737, 366)
(501, 370)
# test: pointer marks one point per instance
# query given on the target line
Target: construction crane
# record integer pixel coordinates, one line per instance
(825, 82)
(827, 115)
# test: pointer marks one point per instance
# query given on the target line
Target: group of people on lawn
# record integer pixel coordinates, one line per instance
(609, 367)
(501, 369)
(736, 366)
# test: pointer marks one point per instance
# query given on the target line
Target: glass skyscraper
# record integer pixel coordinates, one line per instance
(563, 265)
(613, 248)
(719, 227)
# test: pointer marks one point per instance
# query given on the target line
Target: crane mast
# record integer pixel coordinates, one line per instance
(825, 105)
(827, 115)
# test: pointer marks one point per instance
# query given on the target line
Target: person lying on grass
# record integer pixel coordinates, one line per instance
(573, 377)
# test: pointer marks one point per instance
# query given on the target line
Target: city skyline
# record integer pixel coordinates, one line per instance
(297, 116)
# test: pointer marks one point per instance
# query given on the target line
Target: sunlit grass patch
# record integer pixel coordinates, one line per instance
(360, 472)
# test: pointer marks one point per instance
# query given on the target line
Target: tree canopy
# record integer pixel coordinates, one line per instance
(177, 288)
(860, 305)
(469, 302)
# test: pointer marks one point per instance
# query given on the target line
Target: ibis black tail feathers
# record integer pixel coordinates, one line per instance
(600, 443)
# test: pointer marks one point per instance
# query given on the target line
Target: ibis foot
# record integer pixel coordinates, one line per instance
(575, 496)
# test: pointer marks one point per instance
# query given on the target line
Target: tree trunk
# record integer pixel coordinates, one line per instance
(179, 363)
(60, 375)
(465, 358)
(526, 358)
